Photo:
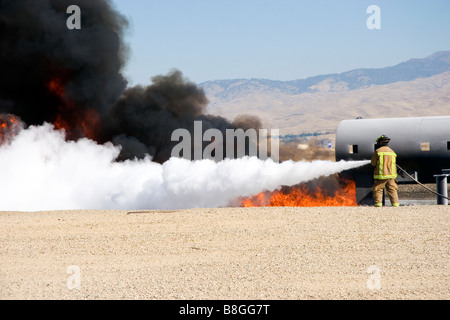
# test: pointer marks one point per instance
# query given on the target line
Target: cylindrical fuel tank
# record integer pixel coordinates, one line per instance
(422, 144)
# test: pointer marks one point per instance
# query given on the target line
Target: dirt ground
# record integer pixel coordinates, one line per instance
(227, 253)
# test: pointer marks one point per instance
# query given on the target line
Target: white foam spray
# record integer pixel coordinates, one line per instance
(40, 170)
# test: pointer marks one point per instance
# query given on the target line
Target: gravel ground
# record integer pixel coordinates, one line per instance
(227, 253)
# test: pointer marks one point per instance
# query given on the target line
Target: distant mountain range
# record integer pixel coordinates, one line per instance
(417, 87)
(351, 80)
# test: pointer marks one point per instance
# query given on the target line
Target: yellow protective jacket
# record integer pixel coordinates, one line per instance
(384, 159)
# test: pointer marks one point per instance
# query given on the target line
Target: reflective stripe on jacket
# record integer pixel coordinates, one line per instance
(384, 159)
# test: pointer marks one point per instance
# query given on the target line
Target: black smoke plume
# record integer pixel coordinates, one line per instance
(73, 79)
(37, 49)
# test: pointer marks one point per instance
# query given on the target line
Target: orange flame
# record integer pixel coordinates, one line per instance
(77, 122)
(10, 125)
(56, 86)
(300, 196)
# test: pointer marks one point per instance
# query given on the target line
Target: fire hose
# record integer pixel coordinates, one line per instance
(421, 184)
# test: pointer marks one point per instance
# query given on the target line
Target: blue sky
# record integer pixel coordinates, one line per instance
(276, 39)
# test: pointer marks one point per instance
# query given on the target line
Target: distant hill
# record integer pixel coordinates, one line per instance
(417, 87)
(438, 62)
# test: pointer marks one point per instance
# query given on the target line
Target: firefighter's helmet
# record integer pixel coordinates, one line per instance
(383, 139)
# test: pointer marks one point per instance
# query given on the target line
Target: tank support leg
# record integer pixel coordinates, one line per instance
(441, 188)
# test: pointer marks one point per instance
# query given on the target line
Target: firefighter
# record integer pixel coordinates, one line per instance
(385, 173)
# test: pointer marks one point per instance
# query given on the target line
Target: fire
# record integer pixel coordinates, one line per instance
(301, 196)
(76, 121)
(10, 125)
(56, 86)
